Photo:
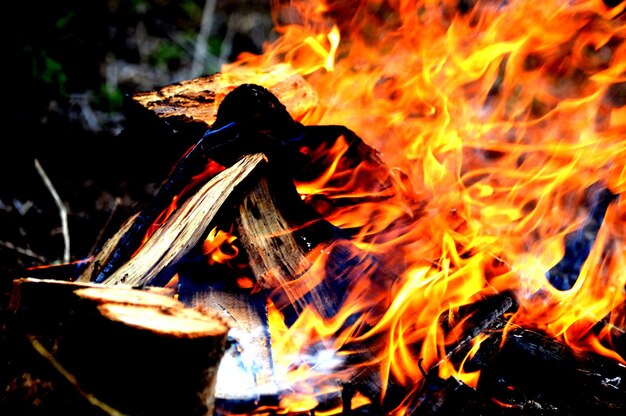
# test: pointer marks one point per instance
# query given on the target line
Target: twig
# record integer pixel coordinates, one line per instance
(62, 211)
(25, 251)
(71, 378)
(200, 50)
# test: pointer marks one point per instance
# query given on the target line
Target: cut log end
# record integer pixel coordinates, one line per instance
(167, 321)
(137, 351)
(127, 295)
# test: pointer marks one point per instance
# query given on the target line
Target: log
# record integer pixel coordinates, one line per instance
(524, 372)
(245, 378)
(191, 103)
(530, 370)
(137, 351)
(303, 262)
(156, 261)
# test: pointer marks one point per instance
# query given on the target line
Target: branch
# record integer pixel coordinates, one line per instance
(62, 211)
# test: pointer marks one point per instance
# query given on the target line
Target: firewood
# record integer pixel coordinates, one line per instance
(524, 373)
(182, 230)
(278, 236)
(529, 369)
(197, 100)
(249, 120)
(303, 262)
(191, 164)
(246, 376)
(137, 351)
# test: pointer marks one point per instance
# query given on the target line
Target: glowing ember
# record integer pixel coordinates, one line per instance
(509, 119)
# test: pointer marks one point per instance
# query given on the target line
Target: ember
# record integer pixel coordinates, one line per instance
(402, 208)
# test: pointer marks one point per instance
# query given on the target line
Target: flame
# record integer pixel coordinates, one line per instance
(508, 120)
(218, 247)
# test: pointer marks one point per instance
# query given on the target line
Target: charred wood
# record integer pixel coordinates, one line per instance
(528, 371)
(303, 262)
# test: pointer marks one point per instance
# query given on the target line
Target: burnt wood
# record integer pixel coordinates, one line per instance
(532, 373)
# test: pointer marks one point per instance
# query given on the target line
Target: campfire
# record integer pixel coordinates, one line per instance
(399, 208)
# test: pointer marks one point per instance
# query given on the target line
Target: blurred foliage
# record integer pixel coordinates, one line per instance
(104, 49)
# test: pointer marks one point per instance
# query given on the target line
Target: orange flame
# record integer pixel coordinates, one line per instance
(507, 118)
(218, 247)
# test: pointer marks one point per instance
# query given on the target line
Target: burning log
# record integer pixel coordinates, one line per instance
(525, 354)
(304, 263)
(192, 105)
(523, 370)
(136, 351)
(181, 232)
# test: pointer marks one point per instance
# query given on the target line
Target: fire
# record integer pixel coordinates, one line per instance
(508, 119)
(219, 246)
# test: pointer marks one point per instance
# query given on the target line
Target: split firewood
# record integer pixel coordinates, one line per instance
(302, 262)
(154, 261)
(137, 351)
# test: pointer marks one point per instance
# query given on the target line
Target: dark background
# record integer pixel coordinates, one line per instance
(70, 66)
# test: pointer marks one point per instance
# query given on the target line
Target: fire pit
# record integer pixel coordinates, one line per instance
(421, 219)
